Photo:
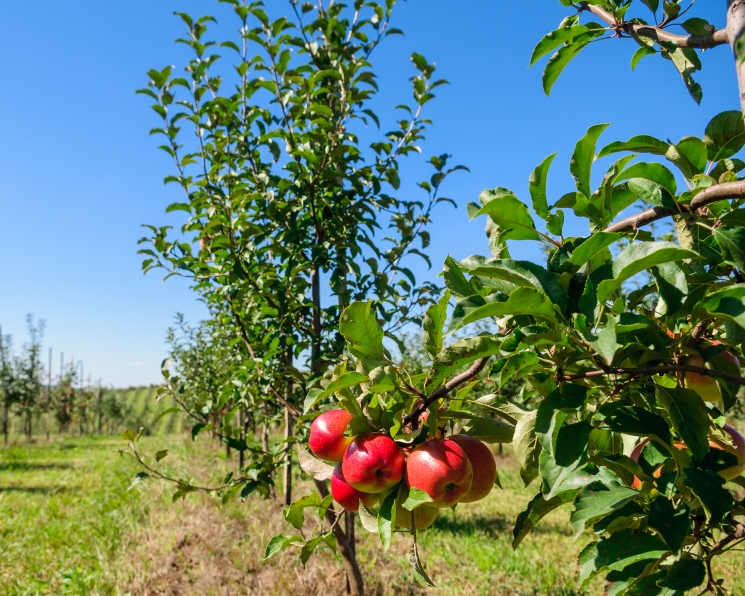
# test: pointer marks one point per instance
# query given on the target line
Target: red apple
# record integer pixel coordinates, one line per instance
(442, 470)
(737, 450)
(704, 385)
(483, 465)
(346, 495)
(373, 463)
(327, 440)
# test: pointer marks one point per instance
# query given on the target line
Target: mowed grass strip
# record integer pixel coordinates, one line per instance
(68, 525)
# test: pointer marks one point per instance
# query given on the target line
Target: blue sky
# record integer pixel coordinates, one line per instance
(79, 173)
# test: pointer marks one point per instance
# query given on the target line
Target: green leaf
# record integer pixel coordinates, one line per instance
(655, 172)
(672, 524)
(708, 487)
(592, 246)
(653, 5)
(278, 543)
(636, 421)
(434, 324)
(462, 352)
(604, 343)
(641, 53)
(554, 39)
(523, 301)
(689, 415)
(509, 214)
(728, 303)
(732, 243)
(525, 274)
(690, 155)
(637, 144)
(537, 509)
(672, 285)
(593, 504)
(416, 497)
(293, 513)
(368, 518)
(617, 552)
(161, 454)
(455, 281)
(687, 62)
(489, 430)
(526, 446)
(385, 519)
(637, 257)
(359, 327)
(580, 165)
(347, 380)
(564, 56)
(537, 187)
(725, 135)
(572, 443)
(520, 364)
(412, 556)
(684, 575)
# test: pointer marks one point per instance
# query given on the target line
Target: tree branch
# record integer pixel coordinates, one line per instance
(413, 417)
(701, 42)
(653, 370)
(736, 535)
(718, 192)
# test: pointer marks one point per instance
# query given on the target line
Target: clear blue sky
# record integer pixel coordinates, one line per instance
(79, 173)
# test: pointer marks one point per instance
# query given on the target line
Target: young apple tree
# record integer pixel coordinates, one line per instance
(631, 341)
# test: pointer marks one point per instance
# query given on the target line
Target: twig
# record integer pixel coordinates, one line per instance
(413, 417)
(654, 370)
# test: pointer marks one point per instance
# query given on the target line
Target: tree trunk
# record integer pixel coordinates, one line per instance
(242, 422)
(288, 465)
(4, 387)
(99, 405)
(315, 355)
(735, 29)
(346, 549)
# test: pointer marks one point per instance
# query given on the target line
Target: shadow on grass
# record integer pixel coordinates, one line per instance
(493, 526)
(22, 466)
(39, 490)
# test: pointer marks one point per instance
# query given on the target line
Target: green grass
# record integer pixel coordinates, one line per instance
(68, 525)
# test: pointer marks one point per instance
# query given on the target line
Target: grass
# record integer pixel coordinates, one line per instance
(68, 525)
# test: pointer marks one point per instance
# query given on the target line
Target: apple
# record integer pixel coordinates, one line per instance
(729, 356)
(483, 465)
(347, 496)
(327, 440)
(704, 385)
(440, 468)
(737, 450)
(424, 516)
(373, 463)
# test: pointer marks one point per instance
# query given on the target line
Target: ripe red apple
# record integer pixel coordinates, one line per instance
(704, 385)
(737, 450)
(373, 463)
(327, 440)
(442, 470)
(347, 496)
(483, 465)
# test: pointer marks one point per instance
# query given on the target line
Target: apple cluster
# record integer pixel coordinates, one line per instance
(457, 469)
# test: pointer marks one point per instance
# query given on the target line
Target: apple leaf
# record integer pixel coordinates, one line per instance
(349, 379)
(523, 301)
(386, 519)
(616, 552)
(508, 213)
(416, 497)
(278, 543)
(672, 524)
(433, 325)
(684, 575)
(412, 556)
(313, 467)
(580, 165)
(359, 327)
(537, 509)
(368, 518)
(728, 303)
(708, 487)
(293, 513)
(458, 355)
(689, 415)
(592, 505)
(537, 186)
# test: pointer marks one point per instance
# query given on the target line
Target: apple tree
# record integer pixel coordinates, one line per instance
(630, 338)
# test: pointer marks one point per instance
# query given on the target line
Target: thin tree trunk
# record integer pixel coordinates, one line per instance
(346, 550)
(242, 422)
(315, 356)
(99, 405)
(288, 466)
(735, 30)
(5, 388)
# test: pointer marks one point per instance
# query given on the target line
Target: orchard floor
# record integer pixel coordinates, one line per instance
(68, 525)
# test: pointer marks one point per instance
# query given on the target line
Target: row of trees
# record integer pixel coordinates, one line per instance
(64, 405)
(283, 204)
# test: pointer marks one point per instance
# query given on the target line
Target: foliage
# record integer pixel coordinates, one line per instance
(608, 360)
